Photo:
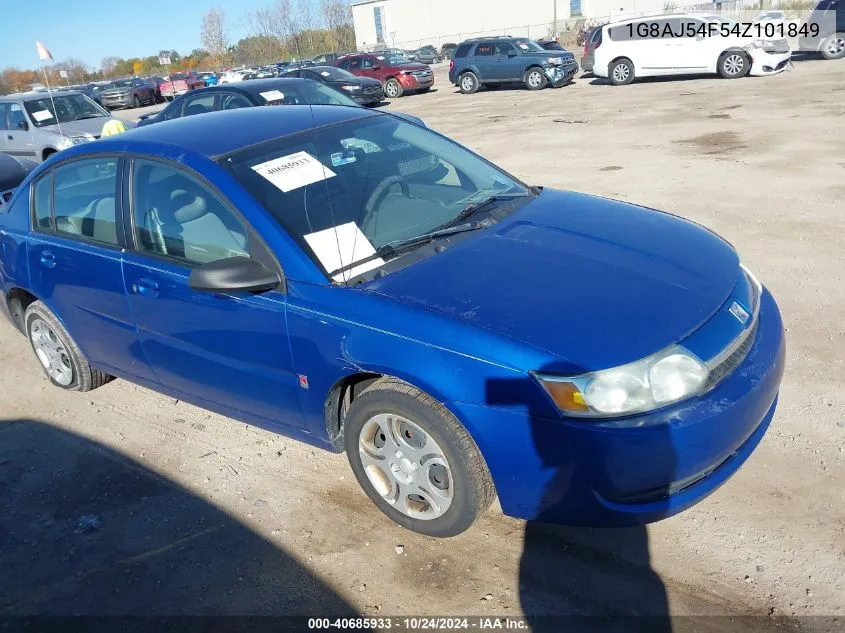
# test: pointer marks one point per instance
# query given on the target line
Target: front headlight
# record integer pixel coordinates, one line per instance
(350, 87)
(555, 61)
(765, 45)
(69, 141)
(653, 382)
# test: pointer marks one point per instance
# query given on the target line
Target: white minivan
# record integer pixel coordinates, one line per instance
(683, 44)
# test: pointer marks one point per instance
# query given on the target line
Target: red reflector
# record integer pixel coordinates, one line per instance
(451, 64)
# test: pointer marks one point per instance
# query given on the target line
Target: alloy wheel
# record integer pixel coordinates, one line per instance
(836, 46)
(406, 466)
(391, 90)
(621, 72)
(734, 64)
(467, 83)
(51, 352)
(535, 79)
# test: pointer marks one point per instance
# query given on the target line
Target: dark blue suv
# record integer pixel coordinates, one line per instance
(505, 59)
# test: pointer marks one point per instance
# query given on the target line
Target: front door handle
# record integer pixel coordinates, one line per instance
(146, 286)
(48, 260)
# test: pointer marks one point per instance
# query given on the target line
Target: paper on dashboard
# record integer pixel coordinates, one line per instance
(340, 246)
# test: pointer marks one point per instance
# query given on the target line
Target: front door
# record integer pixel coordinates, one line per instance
(17, 135)
(693, 52)
(229, 351)
(507, 65)
(74, 255)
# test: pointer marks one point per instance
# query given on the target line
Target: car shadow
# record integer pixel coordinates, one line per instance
(600, 81)
(600, 579)
(88, 531)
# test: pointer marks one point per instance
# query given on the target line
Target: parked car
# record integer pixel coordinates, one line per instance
(828, 38)
(13, 171)
(447, 51)
(247, 94)
(589, 54)
(91, 90)
(395, 72)
(233, 76)
(411, 55)
(325, 58)
(624, 50)
(305, 63)
(157, 82)
(180, 83)
(360, 283)
(427, 55)
(210, 78)
(36, 125)
(264, 72)
(498, 60)
(384, 51)
(128, 93)
(551, 45)
(363, 90)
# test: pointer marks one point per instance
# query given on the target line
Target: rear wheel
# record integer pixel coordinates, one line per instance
(621, 72)
(468, 83)
(62, 361)
(834, 46)
(535, 79)
(393, 89)
(415, 460)
(733, 65)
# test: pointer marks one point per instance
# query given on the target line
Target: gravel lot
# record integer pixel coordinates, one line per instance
(200, 514)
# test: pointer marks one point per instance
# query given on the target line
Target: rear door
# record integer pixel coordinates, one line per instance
(18, 137)
(74, 256)
(229, 351)
(484, 61)
(650, 54)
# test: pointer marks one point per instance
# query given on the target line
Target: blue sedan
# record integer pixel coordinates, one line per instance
(356, 281)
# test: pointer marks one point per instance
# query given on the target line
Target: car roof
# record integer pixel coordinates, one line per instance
(36, 94)
(217, 133)
(252, 86)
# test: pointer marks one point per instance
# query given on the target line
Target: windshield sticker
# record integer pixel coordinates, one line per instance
(341, 246)
(523, 46)
(294, 171)
(272, 95)
(325, 73)
(42, 115)
(343, 158)
(381, 57)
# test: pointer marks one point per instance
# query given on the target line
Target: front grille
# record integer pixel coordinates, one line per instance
(421, 74)
(781, 46)
(724, 369)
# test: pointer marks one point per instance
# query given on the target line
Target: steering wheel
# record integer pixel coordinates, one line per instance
(378, 194)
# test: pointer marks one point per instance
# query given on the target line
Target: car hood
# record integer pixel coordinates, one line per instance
(116, 91)
(594, 282)
(361, 81)
(80, 128)
(545, 54)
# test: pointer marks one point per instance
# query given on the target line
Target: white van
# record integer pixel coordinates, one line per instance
(684, 44)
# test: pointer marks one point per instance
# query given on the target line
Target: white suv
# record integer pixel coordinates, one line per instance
(684, 44)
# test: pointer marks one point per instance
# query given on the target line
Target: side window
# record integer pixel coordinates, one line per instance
(354, 63)
(173, 111)
(16, 117)
(199, 104)
(367, 63)
(4, 113)
(233, 101)
(176, 216)
(42, 200)
(462, 50)
(688, 28)
(484, 49)
(344, 64)
(84, 199)
(503, 48)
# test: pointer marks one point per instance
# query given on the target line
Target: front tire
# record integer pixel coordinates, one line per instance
(535, 79)
(468, 83)
(393, 89)
(136, 102)
(60, 358)
(621, 72)
(733, 65)
(834, 46)
(415, 460)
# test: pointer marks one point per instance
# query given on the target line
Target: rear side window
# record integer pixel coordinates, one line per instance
(484, 49)
(595, 38)
(42, 200)
(84, 199)
(462, 50)
(234, 101)
(4, 113)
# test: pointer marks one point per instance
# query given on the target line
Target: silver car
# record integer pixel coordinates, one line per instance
(34, 125)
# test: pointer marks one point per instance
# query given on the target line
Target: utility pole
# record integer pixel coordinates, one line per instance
(554, 23)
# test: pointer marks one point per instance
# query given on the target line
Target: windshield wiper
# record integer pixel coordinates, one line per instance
(475, 207)
(88, 116)
(394, 248)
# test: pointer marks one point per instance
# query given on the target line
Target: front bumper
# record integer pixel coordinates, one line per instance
(411, 82)
(561, 74)
(120, 101)
(638, 469)
(367, 97)
(763, 63)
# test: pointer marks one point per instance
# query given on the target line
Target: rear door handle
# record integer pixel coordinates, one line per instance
(48, 260)
(146, 286)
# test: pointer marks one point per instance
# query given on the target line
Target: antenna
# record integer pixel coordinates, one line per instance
(50, 92)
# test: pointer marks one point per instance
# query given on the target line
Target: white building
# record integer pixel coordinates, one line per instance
(414, 23)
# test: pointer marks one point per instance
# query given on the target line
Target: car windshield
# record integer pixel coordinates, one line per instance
(67, 108)
(528, 45)
(122, 83)
(333, 73)
(306, 93)
(345, 190)
(392, 59)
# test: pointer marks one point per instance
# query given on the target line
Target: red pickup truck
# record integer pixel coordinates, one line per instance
(180, 83)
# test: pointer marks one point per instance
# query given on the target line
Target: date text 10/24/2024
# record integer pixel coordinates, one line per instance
(420, 624)
(770, 30)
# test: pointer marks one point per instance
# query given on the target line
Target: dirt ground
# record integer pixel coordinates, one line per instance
(194, 513)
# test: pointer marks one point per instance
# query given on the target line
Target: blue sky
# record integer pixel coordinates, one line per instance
(93, 29)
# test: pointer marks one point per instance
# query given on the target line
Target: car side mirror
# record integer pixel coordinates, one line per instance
(23, 125)
(512, 53)
(235, 274)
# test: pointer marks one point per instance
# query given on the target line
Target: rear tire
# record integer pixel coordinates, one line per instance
(393, 89)
(733, 65)
(833, 47)
(60, 358)
(535, 79)
(468, 83)
(621, 72)
(415, 461)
